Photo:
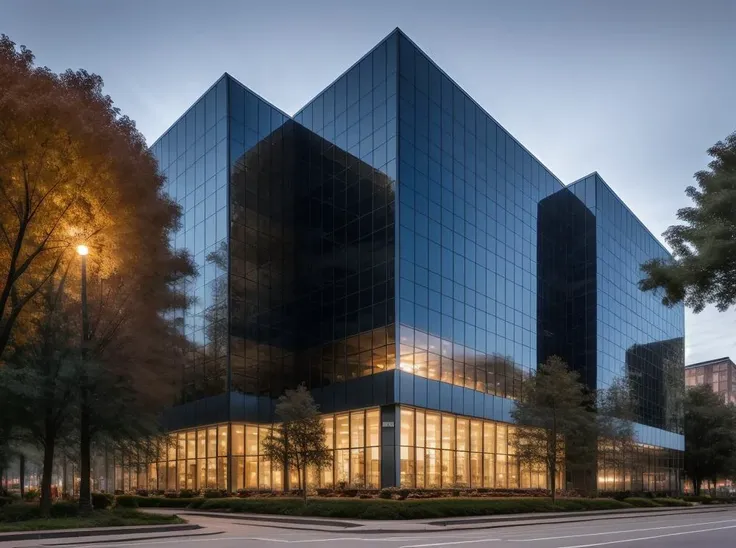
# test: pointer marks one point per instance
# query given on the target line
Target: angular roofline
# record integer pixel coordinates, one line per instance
(709, 362)
(634, 215)
(402, 33)
(225, 76)
(396, 30)
(197, 100)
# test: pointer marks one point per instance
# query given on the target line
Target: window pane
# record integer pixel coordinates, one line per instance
(462, 469)
(238, 439)
(342, 425)
(433, 430)
(501, 440)
(373, 427)
(201, 443)
(489, 437)
(462, 435)
(407, 427)
(476, 432)
(357, 429)
(501, 472)
(419, 428)
(211, 442)
(251, 442)
(407, 466)
(357, 467)
(488, 470)
(448, 433)
(329, 423)
(223, 443)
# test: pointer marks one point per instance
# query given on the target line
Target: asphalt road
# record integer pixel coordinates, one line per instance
(708, 530)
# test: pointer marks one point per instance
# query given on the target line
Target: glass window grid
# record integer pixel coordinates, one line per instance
(468, 233)
(183, 465)
(192, 155)
(442, 450)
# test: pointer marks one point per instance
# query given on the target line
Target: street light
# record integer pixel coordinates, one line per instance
(85, 503)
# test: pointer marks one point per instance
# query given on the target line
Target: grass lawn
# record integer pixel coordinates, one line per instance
(99, 518)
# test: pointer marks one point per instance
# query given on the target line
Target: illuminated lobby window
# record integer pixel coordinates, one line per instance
(440, 450)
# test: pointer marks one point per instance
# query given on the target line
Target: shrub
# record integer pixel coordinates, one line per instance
(5, 500)
(141, 492)
(410, 509)
(19, 512)
(667, 501)
(102, 501)
(187, 493)
(64, 509)
(196, 503)
(127, 501)
(387, 493)
(641, 502)
(215, 494)
(31, 495)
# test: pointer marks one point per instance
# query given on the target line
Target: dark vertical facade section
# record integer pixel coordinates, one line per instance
(193, 156)
(345, 142)
(261, 253)
(566, 280)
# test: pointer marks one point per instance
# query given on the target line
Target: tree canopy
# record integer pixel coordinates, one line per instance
(299, 441)
(710, 436)
(555, 409)
(703, 268)
(73, 170)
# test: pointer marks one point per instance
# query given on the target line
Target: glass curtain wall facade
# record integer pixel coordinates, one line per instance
(394, 248)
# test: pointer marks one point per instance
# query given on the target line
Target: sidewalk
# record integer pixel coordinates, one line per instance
(98, 531)
(367, 527)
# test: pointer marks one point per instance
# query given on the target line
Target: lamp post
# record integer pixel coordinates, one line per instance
(85, 495)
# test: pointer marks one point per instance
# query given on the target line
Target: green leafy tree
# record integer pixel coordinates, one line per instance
(39, 383)
(299, 441)
(710, 436)
(554, 412)
(703, 268)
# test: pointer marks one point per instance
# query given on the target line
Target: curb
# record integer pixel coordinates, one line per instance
(589, 513)
(495, 522)
(102, 531)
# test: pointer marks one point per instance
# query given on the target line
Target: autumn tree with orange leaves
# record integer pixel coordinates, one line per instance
(73, 170)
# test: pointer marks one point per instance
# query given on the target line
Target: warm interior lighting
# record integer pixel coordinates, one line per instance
(82, 250)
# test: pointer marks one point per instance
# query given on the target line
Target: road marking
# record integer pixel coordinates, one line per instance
(650, 538)
(622, 532)
(451, 543)
(182, 540)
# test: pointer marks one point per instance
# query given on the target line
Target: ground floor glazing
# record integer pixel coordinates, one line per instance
(418, 448)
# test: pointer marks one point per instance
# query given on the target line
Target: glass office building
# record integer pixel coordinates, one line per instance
(397, 250)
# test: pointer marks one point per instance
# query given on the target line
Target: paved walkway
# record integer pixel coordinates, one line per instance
(673, 529)
(352, 526)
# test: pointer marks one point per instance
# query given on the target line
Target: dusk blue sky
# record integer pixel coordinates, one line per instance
(637, 90)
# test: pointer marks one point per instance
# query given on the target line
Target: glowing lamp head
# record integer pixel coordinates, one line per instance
(82, 250)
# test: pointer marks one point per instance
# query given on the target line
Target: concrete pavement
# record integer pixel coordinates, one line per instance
(672, 530)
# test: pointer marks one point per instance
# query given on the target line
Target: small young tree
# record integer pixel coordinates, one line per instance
(553, 413)
(299, 439)
(710, 436)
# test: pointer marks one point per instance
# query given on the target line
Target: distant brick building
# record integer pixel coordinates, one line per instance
(719, 374)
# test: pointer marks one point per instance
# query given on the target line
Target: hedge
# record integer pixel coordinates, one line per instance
(26, 511)
(134, 501)
(410, 509)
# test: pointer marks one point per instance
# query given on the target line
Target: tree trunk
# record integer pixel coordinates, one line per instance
(85, 494)
(48, 468)
(553, 480)
(304, 484)
(22, 474)
(299, 475)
